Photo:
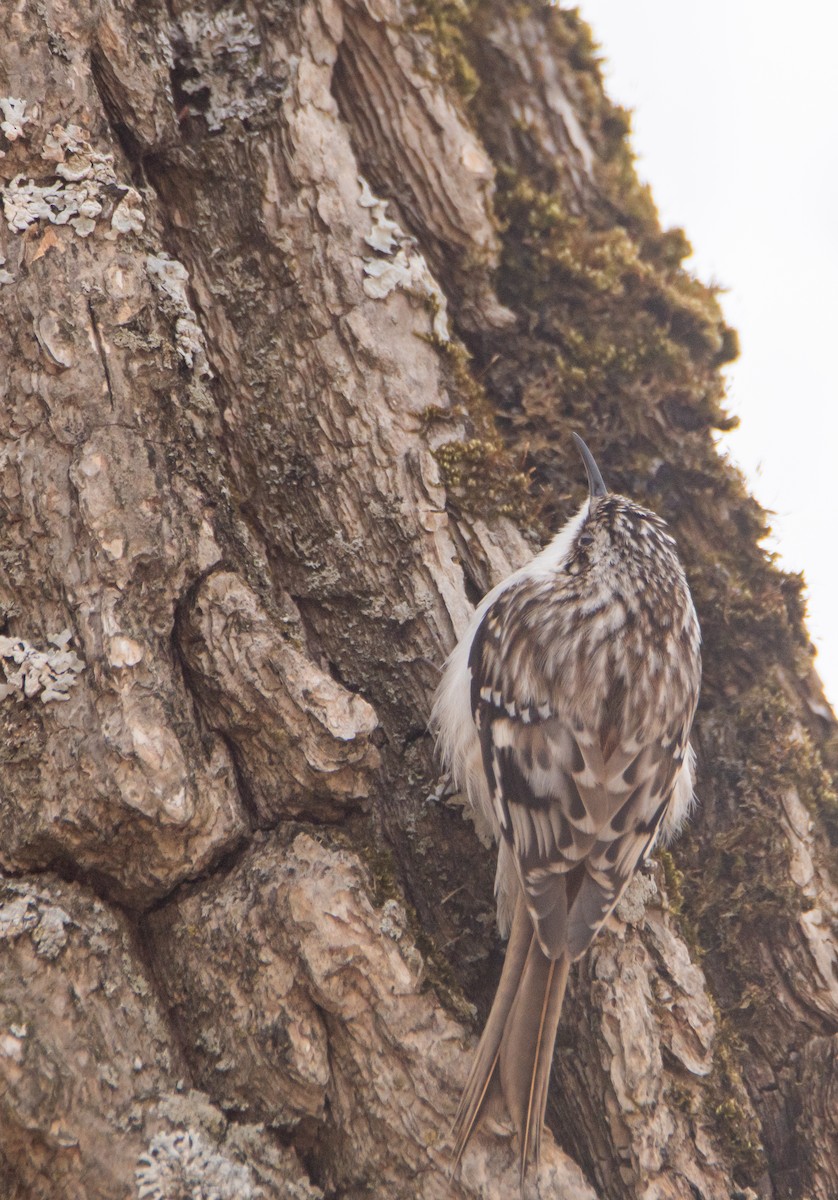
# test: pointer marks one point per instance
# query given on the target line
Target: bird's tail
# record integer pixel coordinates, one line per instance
(515, 1053)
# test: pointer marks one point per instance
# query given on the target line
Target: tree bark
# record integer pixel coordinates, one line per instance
(301, 302)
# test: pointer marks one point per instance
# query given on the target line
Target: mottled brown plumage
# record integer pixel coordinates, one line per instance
(565, 712)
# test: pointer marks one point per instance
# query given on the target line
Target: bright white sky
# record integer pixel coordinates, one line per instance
(735, 116)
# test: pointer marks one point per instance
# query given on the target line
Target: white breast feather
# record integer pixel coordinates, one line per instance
(683, 798)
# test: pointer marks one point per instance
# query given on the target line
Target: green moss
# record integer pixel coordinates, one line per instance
(478, 471)
(558, 260)
(607, 125)
(739, 895)
(750, 876)
(574, 37)
(674, 881)
(782, 754)
(730, 1110)
(465, 387)
(618, 336)
(681, 1098)
(381, 866)
(475, 472)
(435, 414)
(443, 24)
(743, 892)
(751, 613)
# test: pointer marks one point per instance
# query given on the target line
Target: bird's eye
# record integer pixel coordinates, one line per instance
(586, 539)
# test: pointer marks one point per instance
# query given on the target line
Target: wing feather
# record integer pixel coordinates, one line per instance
(579, 802)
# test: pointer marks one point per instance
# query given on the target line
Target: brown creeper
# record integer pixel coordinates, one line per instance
(565, 713)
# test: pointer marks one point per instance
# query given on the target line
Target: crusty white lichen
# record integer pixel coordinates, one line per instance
(85, 186)
(5, 276)
(128, 216)
(14, 117)
(48, 674)
(25, 911)
(184, 1166)
(18, 915)
(640, 892)
(218, 53)
(13, 1043)
(171, 278)
(400, 263)
(393, 920)
(49, 935)
(25, 202)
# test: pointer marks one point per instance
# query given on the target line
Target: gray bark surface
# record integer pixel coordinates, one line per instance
(300, 303)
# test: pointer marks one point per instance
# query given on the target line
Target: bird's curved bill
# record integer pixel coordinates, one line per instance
(596, 484)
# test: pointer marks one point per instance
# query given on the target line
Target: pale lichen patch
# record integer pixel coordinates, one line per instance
(402, 265)
(184, 1163)
(84, 187)
(25, 202)
(171, 278)
(49, 935)
(14, 117)
(128, 216)
(17, 915)
(12, 1043)
(31, 912)
(124, 652)
(219, 56)
(46, 673)
(632, 904)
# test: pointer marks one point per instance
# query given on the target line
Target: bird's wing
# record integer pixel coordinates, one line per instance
(580, 807)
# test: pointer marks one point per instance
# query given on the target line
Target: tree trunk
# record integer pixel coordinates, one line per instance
(301, 302)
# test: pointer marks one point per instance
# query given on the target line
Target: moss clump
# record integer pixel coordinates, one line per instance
(443, 23)
(681, 1098)
(740, 896)
(381, 866)
(782, 754)
(574, 38)
(475, 472)
(462, 383)
(730, 1109)
(743, 892)
(478, 471)
(607, 125)
(435, 414)
(578, 274)
(614, 341)
(751, 612)
(747, 885)
(674, 881)
(824, 802)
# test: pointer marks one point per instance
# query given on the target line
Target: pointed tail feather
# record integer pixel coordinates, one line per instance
(482, 1080)
(526, 1055)
(515, 1053)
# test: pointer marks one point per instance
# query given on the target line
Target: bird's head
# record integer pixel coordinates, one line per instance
(614, 531)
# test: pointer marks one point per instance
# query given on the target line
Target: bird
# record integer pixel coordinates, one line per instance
(564, 714)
